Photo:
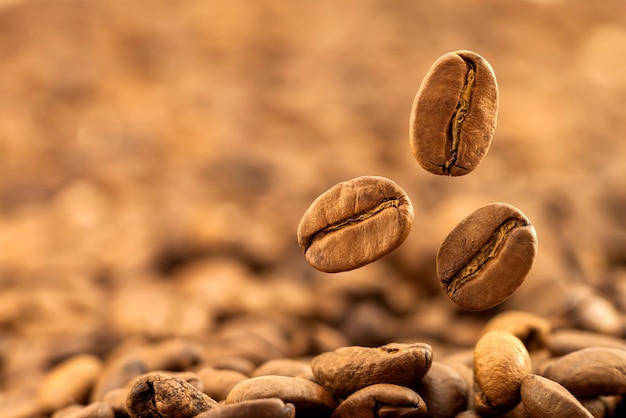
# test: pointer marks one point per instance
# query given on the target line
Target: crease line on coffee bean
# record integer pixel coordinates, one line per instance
(483, 256)
(385, 204)
(459, 115)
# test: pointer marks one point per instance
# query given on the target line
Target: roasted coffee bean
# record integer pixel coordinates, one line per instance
(161, 395)
(308, 397)
(285, 367)
(565, 341)
(592, 371)
(354, 223)
(454, 114)
(258, 408)
(544, 398)
(348, 369)
(533, 330)
(69, 382)
(382, 400)
(118, 371)
(487, 256)
(93, 410)
(219, 382)
(501, 362)
(444, 391)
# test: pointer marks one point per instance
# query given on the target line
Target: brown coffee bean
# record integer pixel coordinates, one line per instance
(487, 256)
(219, 382)
(544, 398)
(354, 223)
(532, 329)
(308, 397)
(444, 391)
(501, 362)
(565, 341)
(285, 367)
(93, 410)
(258, 408)
(454, 114)
(382, 400)
(117, 372)
(592, 371)
(116, 398)
(348, 369)
(69, 382)
(161, 395)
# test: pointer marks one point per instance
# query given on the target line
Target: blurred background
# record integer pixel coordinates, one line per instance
(159, 151)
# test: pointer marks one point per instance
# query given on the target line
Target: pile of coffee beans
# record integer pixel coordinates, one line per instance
(363, 344)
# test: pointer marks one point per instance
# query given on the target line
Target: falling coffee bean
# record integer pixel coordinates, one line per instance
(354, 223)
(454, 114)
(487, 256)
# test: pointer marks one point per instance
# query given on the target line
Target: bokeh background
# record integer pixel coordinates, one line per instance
(158, 151)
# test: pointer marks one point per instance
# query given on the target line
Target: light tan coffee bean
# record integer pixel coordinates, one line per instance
(590, 372)
(69, 382)
(454, 114)
(355, 223)
(348, 369)
(93, 410)
(161, 395)
(501, 362)
(444, 391)
(532, 329)
(308, 397)
(487, 256)
(382, 400)
(285, 367)
(544, 398)
(257, 408)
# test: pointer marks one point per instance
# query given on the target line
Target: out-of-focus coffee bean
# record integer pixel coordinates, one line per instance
(468, 414)
(117, 372)
(236, 363)
(258, 408)
(544, 398)
(348, 369)
(381, 400)
(116, 399)
(308, 397)
(172, 354)
(368, 323)
(487, 256)
(592, 311)
(565, 341)
(444, 391)
(355, 223)
(501, 362)
(156, 395)
(454, 114)
(219, 382)
(93, 410)
(596, 407)
(69, 382)
(532, 329)
(285, 367)
(324, 338)
(590, 372)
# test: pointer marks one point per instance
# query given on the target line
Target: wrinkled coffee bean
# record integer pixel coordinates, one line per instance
(592, 371)
(454, 114)
(308, 397)
(501, 362)
(382, 400)
(487, 256)
(444, 391)
(544, 398)
(257, 408)
(348, 369)
(161, 395)
(354, 223)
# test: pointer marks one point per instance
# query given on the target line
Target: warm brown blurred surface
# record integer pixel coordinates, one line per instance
(141, 140)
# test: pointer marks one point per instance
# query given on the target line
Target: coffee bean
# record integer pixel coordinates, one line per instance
(160, 395)
(544, 398)
(565, 341)
(382, 400)
(501, 362)
(93, 410)
(592, 371)
(219, 382)
(308, 397)
(444, 391)
(354, 223)
(348, 369)
(533, 330)
(285, 367)
(258, 408)
(454, 114)
(487, 256)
